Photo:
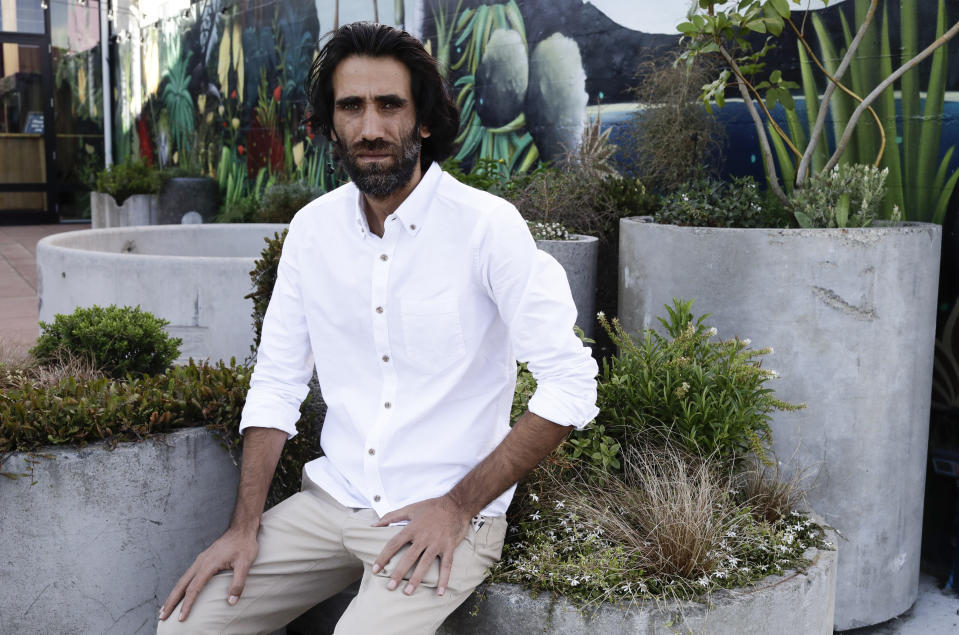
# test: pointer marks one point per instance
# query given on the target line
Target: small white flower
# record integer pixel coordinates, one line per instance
(534, 497)
(747, 342)
(703, 581)
(712, 331)
(560, 504)
(534, 516)
(601, 315)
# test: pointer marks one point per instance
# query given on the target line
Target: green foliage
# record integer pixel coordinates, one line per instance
(709, 397)
(118, 340)
(846, 196)
(282, 201)
(240, 210)
(708, 202)
(123, 180)
(264, 278)
(80, 411)
(628, 197)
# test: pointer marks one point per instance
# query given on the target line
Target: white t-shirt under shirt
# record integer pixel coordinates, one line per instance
(415, 338)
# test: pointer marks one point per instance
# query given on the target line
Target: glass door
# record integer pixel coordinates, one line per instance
(26, 109)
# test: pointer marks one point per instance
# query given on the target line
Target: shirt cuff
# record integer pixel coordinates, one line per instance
(267, 413)
(555, 405)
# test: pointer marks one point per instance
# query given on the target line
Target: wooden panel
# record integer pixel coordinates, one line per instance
(22, 161)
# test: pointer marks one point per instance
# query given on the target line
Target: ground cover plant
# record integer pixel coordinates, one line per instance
(670, 493)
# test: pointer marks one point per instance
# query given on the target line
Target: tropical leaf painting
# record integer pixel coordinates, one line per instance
(179, 105)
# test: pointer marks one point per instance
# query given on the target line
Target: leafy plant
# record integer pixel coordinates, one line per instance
(119, 341)
(123, 180)
(282, 201)
(945, 375)
(707, 397)
(264, 279)
(846, 196)
(724, 29)
(709, 202)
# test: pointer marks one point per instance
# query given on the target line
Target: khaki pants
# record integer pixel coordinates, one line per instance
(311, 547)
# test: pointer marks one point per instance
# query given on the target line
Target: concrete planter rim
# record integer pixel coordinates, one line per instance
(93, 447)
(573, 238)
(884, 226)
(55, 241)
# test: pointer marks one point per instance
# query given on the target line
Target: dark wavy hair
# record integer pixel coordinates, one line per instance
(432, 96)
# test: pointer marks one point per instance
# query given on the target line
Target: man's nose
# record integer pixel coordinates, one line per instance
(372, 125)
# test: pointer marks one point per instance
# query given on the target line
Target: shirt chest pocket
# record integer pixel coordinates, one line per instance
(432, 333)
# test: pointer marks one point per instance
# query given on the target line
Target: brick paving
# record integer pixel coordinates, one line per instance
(18, 283)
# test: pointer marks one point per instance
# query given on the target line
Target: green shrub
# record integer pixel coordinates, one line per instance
(264, 278)
(708, 202)
(123, 180)
(708, 397)
(117, 340)
(282, 201)
(242, 210)
(846, 196)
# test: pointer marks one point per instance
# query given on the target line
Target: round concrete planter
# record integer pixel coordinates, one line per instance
(578, 257)
(851, 316)
(798, 602)
(194, 276)
(139, 209)
(93, 540)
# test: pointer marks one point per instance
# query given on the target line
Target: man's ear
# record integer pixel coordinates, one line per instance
(424, 131)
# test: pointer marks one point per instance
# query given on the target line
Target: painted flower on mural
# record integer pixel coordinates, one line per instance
(277, 93)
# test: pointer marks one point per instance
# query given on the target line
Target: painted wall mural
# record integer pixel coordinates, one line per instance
(220, 88)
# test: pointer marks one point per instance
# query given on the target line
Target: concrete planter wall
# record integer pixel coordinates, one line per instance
(139, 209)
(578, 257)
(851, 316)
(96, 539)
(799, 602)
(194, 276)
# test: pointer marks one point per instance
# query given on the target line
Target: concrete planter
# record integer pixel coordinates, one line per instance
(578, 257)
(797, 602)
(194, 276)
(139, 209)
(96, 539)
(182, 195)
(851, 315)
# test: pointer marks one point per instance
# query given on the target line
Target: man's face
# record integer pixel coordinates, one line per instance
(375, 133)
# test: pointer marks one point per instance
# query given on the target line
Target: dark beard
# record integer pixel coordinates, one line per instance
(378, 181)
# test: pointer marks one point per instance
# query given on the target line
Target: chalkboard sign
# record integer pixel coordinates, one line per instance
(34, 123)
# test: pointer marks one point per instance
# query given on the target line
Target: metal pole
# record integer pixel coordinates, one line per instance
(106, 83)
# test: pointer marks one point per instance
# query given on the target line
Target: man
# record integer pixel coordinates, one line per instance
(414, 295)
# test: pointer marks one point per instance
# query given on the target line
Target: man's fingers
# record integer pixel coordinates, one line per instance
(446, 566)
(177, 593)
(240, 570)
(422, 568)
(406, 563)
(192, 590)
(389, 550)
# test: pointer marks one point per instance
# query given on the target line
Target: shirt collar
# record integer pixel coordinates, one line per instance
(413, 211)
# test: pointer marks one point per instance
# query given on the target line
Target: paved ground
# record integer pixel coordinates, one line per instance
(18, 281)
(936, 612)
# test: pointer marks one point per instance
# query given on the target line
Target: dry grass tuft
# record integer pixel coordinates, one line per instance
(18, 367)
(769, 495)
(671, 510)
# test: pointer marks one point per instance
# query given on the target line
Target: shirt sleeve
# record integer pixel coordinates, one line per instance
(284, 360)
(533, 298)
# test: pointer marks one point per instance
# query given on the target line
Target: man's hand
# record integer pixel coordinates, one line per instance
(233, 550)
(436, 527)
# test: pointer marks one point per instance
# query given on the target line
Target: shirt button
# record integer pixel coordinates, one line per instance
(387, 405)
(413, 227)
(376, 498)
(372, 451)
(379, 309)
(384, 257)
(386, 358)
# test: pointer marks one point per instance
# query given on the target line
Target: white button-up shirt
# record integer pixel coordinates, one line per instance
(415, 338)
